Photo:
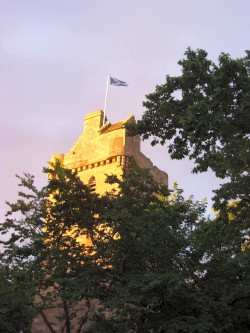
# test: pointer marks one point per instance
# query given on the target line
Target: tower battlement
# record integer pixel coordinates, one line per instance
(105, 149)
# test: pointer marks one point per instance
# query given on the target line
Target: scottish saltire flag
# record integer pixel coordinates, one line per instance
(115, 82)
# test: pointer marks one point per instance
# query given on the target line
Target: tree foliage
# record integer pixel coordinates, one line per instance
(149, 254)
(154, 263)
(46, 227)
(16, 311)
(167, 268)
(205, 114)
(21, 256)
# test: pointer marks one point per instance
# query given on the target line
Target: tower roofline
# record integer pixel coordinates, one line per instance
(101, 150)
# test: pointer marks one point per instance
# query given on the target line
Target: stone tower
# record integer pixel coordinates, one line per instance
(102, 150)
(99, 150)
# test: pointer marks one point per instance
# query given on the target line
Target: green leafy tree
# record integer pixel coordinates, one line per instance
(205, 114)
(166, 267)
(16, 310)
(205, 111)
(154, 264)
(45, 245)
(149, 259)
(21, 256)
(224, 274)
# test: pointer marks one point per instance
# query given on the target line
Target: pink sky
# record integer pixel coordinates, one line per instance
(55, 56)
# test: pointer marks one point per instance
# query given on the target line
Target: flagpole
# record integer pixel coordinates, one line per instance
(106, 96)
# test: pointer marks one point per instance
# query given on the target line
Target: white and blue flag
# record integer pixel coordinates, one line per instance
(111, 82)
(116, 82)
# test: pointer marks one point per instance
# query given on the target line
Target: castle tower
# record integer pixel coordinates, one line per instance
(99, 150)
(102, 150)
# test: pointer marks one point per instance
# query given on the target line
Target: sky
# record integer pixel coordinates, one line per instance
(56, 55)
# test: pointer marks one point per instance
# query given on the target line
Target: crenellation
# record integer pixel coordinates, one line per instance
(105, 149)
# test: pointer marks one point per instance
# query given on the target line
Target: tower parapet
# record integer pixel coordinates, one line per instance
(102, 150)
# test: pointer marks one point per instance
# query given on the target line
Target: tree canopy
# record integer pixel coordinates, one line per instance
(16, 311)
(154, 263)
(205, 114)
(170, 268)
(44, 246)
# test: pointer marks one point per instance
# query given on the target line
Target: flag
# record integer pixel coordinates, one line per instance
(115, 82)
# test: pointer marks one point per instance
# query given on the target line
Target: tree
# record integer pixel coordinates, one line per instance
(21, 255)
(224, 274)
(205, 113)
(154, 263)
(166, 267)
(46, 247)
(16, 311)
(149, 259)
